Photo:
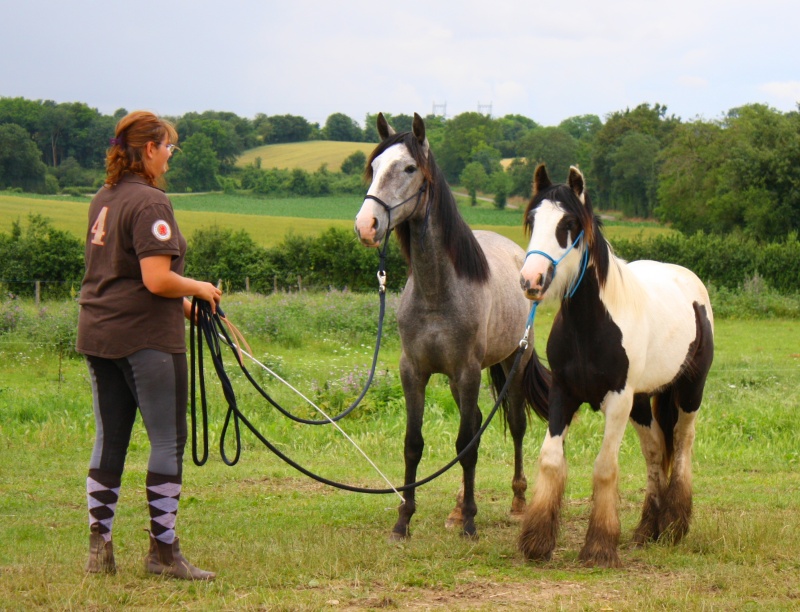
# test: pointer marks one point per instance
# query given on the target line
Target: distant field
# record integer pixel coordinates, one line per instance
(306, 155)
(268, 220)
(70, 215)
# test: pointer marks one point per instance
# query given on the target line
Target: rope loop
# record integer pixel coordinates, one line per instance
(209, 326)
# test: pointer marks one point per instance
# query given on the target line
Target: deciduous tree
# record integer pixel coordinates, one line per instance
(354, 163)
(195, 166)
(473, 179)
(342, 128)
(20, 160)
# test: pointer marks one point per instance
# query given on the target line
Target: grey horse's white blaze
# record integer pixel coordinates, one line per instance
(396, 178)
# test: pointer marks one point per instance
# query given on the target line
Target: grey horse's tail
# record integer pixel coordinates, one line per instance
(536, 382)
(497, 376)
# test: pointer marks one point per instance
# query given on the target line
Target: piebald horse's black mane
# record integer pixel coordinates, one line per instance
(463, 250)
(591, 224)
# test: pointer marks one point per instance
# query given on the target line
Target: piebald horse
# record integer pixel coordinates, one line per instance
(634, 340)
(459, 313)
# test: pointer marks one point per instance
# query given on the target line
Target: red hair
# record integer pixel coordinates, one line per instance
(132, 134)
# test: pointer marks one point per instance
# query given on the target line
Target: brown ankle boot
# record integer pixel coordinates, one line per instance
(101, 554)
(167, 559)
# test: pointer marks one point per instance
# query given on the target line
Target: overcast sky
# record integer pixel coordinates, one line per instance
(545, 59)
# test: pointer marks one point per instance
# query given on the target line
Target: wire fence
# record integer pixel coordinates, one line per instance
(40, 289)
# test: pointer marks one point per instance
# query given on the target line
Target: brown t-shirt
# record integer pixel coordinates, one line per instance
(118, 314)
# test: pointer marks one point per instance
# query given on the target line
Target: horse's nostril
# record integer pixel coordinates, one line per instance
(375, 223)
(540, 280)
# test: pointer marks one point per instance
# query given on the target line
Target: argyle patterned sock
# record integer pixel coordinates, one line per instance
(163, 493)
(102, 493)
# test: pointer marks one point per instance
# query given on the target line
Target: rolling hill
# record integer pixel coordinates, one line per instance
(309, 155)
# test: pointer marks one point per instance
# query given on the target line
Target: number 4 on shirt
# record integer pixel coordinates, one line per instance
(99, 228)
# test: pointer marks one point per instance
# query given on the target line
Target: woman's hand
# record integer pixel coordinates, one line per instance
(208, 292)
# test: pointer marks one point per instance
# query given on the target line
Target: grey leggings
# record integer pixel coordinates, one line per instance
(156, 383)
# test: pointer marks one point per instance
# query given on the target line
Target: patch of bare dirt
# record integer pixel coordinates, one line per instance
(477, 595)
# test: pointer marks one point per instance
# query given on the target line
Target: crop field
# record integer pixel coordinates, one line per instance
(280, 541)
(268, 220)
(309, 155)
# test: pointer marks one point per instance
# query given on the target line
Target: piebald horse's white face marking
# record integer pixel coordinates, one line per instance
(395, 178)
(550, 234)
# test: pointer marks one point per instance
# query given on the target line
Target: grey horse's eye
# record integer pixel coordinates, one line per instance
(411, 169)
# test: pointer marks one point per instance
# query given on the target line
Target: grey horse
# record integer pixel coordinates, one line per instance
(460, 311)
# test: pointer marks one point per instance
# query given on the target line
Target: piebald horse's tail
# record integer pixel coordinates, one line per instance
(536, 380)
(536, 383)
(685, 393)
(665, 410)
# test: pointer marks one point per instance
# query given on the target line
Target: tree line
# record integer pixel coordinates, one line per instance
(737, 173)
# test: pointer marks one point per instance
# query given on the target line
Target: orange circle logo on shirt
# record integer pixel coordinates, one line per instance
(162, 230)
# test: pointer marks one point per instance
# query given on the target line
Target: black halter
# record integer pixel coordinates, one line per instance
(418, 194)
(389, 209)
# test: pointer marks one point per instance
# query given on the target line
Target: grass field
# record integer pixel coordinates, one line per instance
(308, 155)
(280, 541)
(268, 220)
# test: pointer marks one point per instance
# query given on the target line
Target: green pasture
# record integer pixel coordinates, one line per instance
(268, 220)
(309, 155)
(280, 541)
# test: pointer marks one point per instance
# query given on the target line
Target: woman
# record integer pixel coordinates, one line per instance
(131, 329)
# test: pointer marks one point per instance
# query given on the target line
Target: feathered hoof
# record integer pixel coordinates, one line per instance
(537, 540)
(674, 532)
(536, 549)
(640, 541)
(599, 557)
(646, 533)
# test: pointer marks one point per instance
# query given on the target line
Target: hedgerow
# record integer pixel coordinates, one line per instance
(725, 261)
(336, 260)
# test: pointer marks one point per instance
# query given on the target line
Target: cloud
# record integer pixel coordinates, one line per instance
(786, 92)
(547, 60)
(692, 82)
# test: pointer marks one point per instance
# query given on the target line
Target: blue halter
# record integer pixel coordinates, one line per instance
(584, 263)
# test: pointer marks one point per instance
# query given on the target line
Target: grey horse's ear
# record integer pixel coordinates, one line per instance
(541, 180)
(418, 129)
(577, 183)
(384, 129)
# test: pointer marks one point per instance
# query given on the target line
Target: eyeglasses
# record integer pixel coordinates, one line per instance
(171, 147)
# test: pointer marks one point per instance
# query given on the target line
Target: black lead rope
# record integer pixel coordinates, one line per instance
(208, 326)
(367, 384)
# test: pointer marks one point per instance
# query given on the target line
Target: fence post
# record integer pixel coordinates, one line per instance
(37, 285)
(247, 284)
